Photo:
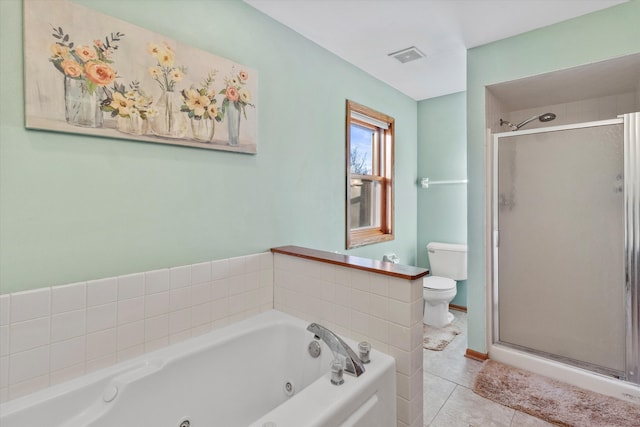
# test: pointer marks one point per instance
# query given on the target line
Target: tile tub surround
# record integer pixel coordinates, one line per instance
(361, 299)
(53, 334)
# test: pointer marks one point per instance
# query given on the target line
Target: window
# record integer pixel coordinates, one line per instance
(369, 176)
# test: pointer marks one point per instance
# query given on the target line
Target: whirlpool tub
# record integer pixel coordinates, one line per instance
(257, 372)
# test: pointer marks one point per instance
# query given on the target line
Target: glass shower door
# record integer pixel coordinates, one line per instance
(559, 246)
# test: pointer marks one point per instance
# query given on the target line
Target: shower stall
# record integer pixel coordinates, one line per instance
(566, 243)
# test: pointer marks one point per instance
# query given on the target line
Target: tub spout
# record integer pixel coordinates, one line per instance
(353, 364)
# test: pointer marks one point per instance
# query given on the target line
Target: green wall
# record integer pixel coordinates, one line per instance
(442, 147)
(598, 36)
(75, 208)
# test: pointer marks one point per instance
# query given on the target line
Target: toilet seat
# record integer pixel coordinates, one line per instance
(438, 283)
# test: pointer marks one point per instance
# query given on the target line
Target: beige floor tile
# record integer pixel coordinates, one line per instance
(436, 392)
(520, 419)
(465, 408)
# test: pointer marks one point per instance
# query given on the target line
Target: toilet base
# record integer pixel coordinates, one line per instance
(437, 316)
(436, 307)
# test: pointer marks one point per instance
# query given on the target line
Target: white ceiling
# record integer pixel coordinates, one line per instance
(364, 32)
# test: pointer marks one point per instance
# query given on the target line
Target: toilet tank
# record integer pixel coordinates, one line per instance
(448, 260)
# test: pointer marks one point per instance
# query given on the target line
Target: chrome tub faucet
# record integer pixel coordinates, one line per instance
(353, 364)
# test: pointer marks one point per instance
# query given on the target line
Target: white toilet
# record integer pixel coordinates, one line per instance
(448, 263)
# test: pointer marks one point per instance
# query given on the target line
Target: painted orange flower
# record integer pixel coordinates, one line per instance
(71, 68)
(99, 73)
(86, 53)
(243, 75)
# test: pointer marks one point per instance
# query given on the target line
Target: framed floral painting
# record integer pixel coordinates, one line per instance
(89, 73)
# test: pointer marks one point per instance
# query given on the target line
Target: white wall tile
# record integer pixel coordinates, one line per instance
(400, 290)
(156, 344)
(360, 280)
(4, 372)
(179, 299)
(180, 276)
(156, 281)
(67, 373)
(28, 364)
(201, 273)
(29, 334)
(200, 293)
(30, 305)
(130, 352)
(129, 335)
(180, 336)
(4, 341)
(130, 310)
(101, 362)
(101, 344)
(219, 289)
(5, 309)
(219, 269)
(219, 309)
(179, 321)
(67, 353)
(200, 314)
(102, 291)
(236, 266)
(28, 386)
(400, 312)
(68, 298)
(130, 286)
(68, 325)
(101, 317)
(379, 306)
(156, 304)
(156, 328)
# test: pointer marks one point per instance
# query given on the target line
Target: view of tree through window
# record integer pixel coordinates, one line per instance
(369, 176)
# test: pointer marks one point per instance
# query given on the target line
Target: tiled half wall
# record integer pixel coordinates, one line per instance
(54, 334)
(361, 305)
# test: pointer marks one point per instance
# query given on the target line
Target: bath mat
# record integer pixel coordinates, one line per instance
(438, 338)
(551, 400)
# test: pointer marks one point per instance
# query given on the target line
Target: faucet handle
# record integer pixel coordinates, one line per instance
(337, 371)
(364, 349)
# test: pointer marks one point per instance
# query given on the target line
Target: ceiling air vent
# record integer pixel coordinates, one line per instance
(409, 54)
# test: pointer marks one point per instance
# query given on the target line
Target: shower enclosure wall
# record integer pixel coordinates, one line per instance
(566, 236)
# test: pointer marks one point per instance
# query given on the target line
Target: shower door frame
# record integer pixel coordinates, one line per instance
(631, 242)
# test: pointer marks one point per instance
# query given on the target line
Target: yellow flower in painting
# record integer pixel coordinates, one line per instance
(245, 95)
(71, 68)
(85, 53)
(153, 49)
(196, 102)
(212, 110)
(176, 74)
(59, 51)
(121, 104)
(168, 48)
(99, 73)
(155, 72)
(165, 58)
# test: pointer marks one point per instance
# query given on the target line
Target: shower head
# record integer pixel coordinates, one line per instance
(546, 117)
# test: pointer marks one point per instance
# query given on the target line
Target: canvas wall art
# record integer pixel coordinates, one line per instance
(89, 73)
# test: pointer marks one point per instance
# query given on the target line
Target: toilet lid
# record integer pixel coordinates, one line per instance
(438, 283)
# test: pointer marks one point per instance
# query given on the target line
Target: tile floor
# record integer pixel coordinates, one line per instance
(448, 398)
